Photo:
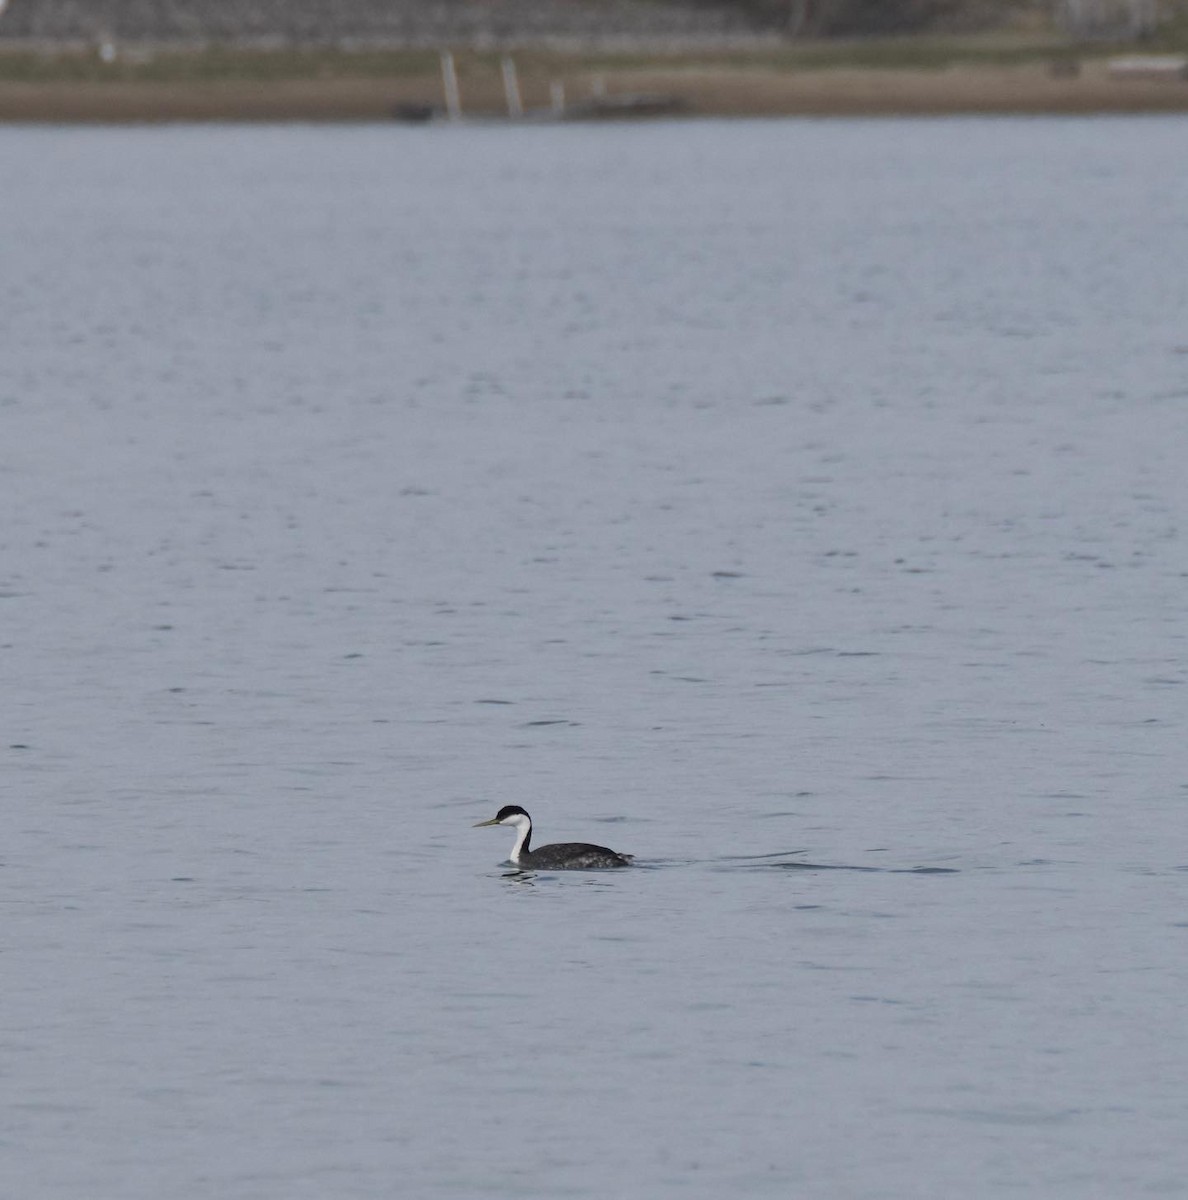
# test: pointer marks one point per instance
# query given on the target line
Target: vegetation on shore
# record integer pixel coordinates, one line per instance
(226, 63)
(1016, 70)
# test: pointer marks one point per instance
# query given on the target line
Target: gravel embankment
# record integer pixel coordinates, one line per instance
(343, 21)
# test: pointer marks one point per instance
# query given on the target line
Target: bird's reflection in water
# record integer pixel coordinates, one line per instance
(531, 879)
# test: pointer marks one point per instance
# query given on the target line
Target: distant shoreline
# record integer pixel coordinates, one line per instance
(738, 85)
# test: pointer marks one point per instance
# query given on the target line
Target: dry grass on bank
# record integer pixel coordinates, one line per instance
(867, 78)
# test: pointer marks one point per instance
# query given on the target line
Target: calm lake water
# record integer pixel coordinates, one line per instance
(795, 505)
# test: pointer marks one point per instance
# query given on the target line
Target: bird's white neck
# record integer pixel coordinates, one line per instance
(523, 828)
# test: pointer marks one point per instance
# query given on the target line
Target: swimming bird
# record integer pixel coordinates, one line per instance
(564, 856)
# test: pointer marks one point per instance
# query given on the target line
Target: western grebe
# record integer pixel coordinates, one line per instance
(564, 856)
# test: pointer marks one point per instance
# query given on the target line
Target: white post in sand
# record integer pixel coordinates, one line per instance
(557, 98)
(511, 88)
(449, 82)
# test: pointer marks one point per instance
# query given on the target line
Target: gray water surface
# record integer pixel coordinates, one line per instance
(797, 506)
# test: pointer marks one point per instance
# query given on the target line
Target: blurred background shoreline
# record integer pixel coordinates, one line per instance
(164, 60)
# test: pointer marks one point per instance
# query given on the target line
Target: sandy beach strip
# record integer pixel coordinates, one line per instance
(715, 90)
